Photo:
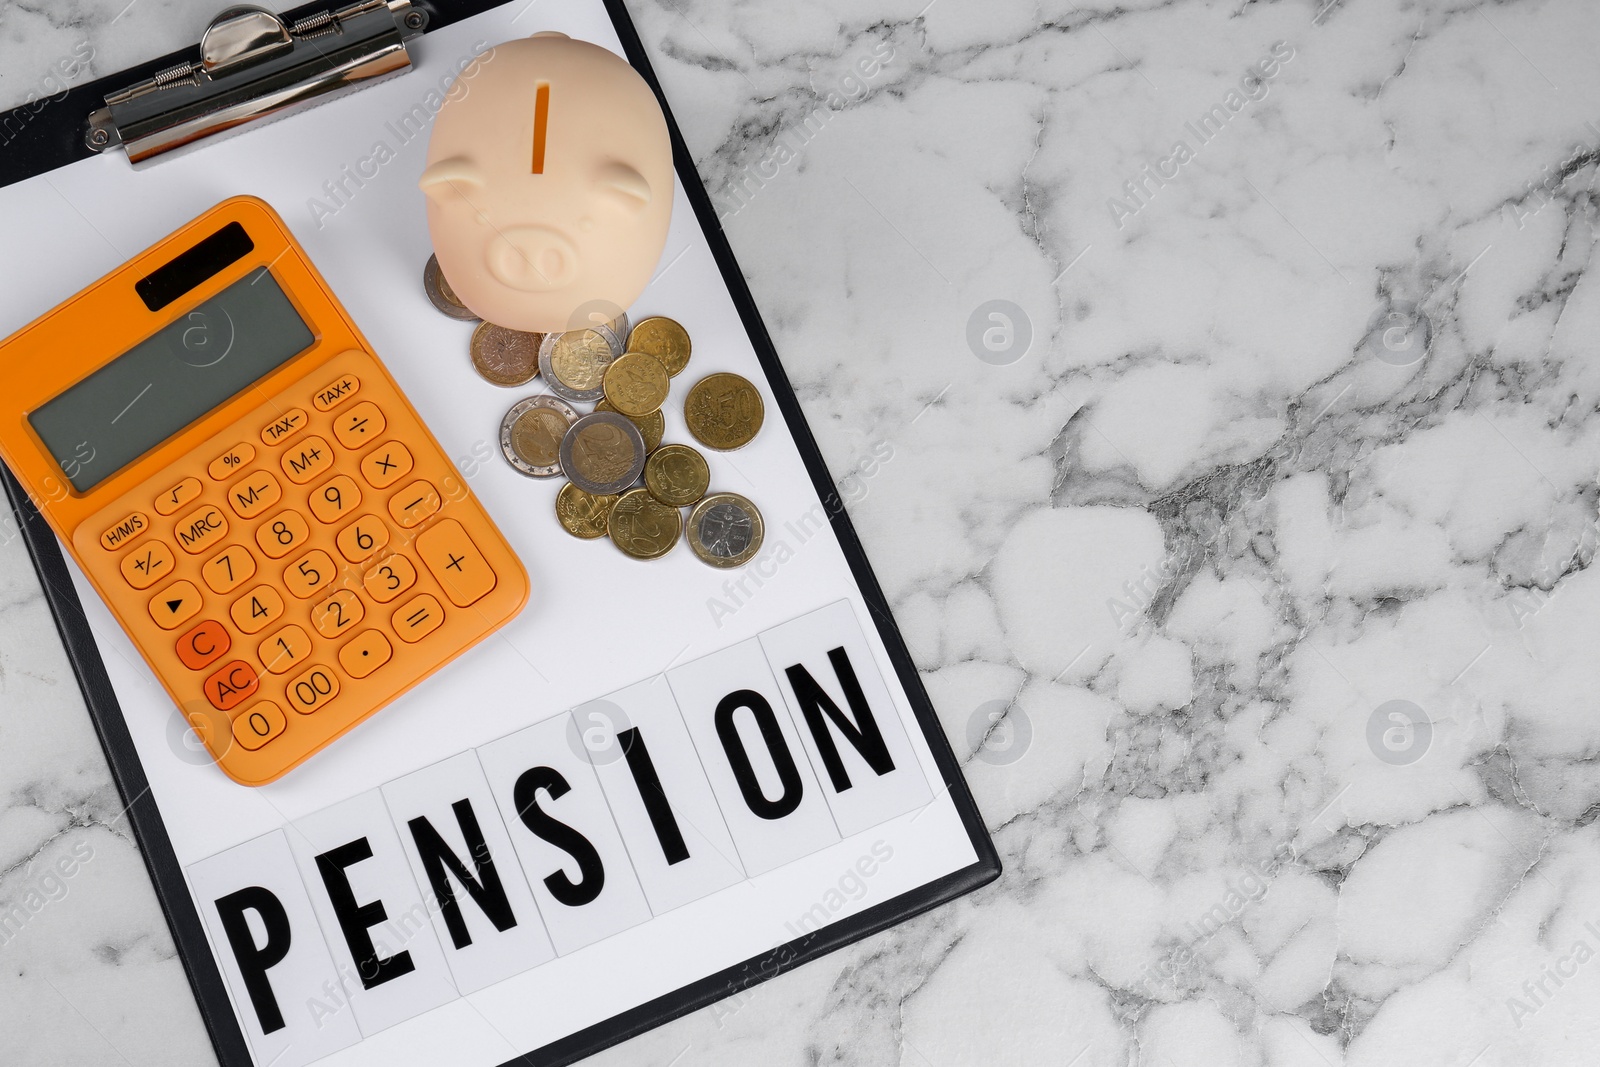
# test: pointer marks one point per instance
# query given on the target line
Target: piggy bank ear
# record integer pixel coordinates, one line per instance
(450, 179)
(623, 185)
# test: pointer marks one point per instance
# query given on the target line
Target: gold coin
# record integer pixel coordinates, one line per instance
(724, 411)
(603, 453)
(440, 295)
(636, 384)
(651, 426)
(676, 475)
(583, 515)
(574, 363)
(536, 436)
(666, 340)
(505, 357)
(725, 530)
(642, 526)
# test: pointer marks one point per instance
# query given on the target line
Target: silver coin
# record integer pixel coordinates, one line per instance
(725, 530)
(527, 437)
(603, 313)
(603, 453)
(441, 295)
(574, 363)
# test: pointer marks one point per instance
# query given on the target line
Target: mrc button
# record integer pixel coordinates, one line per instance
(124, 531)
(200, 529)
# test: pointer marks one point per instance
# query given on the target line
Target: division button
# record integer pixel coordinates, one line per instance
(360, 425)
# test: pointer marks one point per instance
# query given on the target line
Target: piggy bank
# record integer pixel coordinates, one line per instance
(549, 185)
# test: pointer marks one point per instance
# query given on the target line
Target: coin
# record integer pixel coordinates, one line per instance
(602, 313)
(636, 384)
(663, 338)
(676, 475)
(441, 295)
(505, 357)
(574, 363)
(643, 526)
(724, 411)
(582, 514)
(602, 453)
(651, 426)
(725, 530)
(531, 435)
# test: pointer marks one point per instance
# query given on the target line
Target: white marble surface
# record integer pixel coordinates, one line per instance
(1220, 514)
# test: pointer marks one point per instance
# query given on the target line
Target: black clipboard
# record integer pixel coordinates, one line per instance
(55, 137)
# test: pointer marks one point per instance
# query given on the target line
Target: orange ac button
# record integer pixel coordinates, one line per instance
(202, 646)
(230, 686)
(124, 530)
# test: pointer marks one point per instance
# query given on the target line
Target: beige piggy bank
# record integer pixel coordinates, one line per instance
(549, 185)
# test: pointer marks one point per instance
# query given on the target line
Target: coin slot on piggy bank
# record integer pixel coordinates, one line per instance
(549, 184)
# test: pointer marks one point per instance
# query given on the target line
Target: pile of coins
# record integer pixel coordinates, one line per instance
(625, 371)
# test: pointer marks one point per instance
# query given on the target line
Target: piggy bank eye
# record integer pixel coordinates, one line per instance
(450, 179)
(624, 185)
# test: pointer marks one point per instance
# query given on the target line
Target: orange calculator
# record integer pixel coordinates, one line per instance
(249, 490)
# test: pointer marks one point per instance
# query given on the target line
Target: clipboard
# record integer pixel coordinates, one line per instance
(600, 626)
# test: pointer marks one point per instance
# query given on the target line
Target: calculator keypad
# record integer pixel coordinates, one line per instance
(315, 554)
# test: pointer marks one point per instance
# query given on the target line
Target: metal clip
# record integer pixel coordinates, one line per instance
(252, 67)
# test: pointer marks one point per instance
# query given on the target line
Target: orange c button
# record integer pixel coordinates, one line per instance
(201, 646)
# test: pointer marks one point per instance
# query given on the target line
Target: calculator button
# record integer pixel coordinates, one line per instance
(391, 577)
(338, 498)
(311, 690)
(369, 651)
(386, 464)
(200, 530)
(178, 496)
(252, 495)
(256, 610)
(308, 574)
(231, 685)
(414, 503)
(285, 649)
(360, 425)
(202, 646)
(284, 426)
(232, 461)
(337, 615)
(147, 565)
(228, 569)
(280, 534)
(175, 605)
(456, 562)
(264, 721)
(124, 531)
(309, 460)
(417, 618)
(362, 538)
(336, 392)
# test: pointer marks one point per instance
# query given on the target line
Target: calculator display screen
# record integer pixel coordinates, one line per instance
(210, 354)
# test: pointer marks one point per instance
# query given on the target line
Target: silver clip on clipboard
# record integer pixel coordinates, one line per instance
(253, 67)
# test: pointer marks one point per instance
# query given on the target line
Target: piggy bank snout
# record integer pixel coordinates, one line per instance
(533, 259)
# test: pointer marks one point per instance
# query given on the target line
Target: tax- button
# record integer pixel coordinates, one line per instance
(231, 685)
(147, 564)
(199, 530)
(175, 605)
(284, 426)
(202, 646)
(178, 496)
(125, 530)
(362, 423)
(456, 562)
(309, 460)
